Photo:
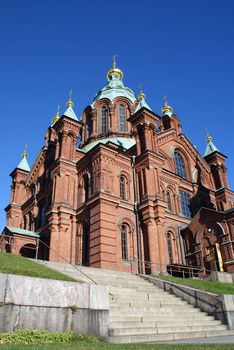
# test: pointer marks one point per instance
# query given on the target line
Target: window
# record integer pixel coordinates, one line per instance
(168, 200)
(184, 203)
(180, 166)
(86, 187)
(85, 246)
(124, 242)
(104, 117)
(122, 189)
(169, 247)
(121, 118)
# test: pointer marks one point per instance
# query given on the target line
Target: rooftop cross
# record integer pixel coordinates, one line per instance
(114, 61)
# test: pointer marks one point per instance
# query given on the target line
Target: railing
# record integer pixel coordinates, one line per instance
(184, 271)
(5, 244)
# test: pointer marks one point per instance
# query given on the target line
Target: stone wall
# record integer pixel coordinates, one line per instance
(36, 303)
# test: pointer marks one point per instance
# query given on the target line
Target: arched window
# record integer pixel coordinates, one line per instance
(169, 247)
(180, 166)
(121, 118)
(124, 247)
(184, 203)
(168, 199)
(104, 118)
(122, 187)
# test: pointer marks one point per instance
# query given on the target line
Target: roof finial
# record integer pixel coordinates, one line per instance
(166, 107)
(69, 102)
(24, 153)
(208, 137)
(141, 94)
(114, 73)
(57, 116)
(114, 61)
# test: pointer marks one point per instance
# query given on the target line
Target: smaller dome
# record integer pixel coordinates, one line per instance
(168, 110)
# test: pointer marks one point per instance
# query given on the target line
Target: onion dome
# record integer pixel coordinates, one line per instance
(56, 117)
(167, 110)
(115, 86)
(114, 72)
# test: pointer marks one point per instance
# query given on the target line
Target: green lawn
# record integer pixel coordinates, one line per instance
(105, 346)
(19, 265)
(39, 339)
(209, 286)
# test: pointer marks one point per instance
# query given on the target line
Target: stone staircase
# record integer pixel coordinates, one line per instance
(141, 312)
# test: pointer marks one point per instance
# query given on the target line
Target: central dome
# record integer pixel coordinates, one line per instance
(115, 87)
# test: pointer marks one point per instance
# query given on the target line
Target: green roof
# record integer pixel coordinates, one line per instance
(210, 148)
(123, 142)
(23, 165)
(21, 231)
(115, 88)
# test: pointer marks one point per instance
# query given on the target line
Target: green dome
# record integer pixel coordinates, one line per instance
(114, 88)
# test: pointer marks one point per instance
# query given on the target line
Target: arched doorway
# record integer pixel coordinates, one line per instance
(28, 251)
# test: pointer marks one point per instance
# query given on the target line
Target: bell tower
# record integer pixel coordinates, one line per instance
(18, 192)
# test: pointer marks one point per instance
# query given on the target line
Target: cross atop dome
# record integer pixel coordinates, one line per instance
(114, 73)
(168, 110)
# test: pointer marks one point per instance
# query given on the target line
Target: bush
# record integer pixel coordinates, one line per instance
(36, 336)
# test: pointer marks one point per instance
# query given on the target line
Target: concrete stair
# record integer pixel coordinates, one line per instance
(143, 313)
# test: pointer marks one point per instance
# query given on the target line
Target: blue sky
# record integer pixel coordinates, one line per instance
(180, 48)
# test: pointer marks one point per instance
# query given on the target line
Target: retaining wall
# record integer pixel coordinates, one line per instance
(38, 303)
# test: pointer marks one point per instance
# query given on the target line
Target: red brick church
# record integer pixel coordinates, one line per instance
(122, 188)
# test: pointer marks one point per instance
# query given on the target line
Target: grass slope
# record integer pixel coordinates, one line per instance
(209, 286)
(19, 265)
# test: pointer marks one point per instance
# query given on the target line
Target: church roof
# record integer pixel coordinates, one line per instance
(210, 148)
(115, 87)
(21, 231)
(123, 142)
(142, 103)
(23, 164)
(70, 113)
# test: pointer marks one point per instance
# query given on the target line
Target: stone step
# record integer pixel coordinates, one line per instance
(161, 323)
(134, 318)
(153, 309)
(151, 338)
(163, 330)
(157, 303)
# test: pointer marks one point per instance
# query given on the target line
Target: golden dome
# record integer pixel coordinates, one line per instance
(114, 70)
(141, 94)
(24, 154)
(56, 117)
(208, 137)
(69, 102)
(166, 107)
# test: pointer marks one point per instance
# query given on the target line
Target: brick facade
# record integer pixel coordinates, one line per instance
(105, 204)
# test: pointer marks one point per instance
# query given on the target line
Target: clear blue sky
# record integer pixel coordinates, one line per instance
(180, 48)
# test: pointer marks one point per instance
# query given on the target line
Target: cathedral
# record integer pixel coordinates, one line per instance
(122, 188)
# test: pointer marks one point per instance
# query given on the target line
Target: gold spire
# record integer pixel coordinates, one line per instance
(24, 154)
(166, 107)
(141, 94)
(114, 70)
(208, 137)
(69, 102)
(57, 116)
